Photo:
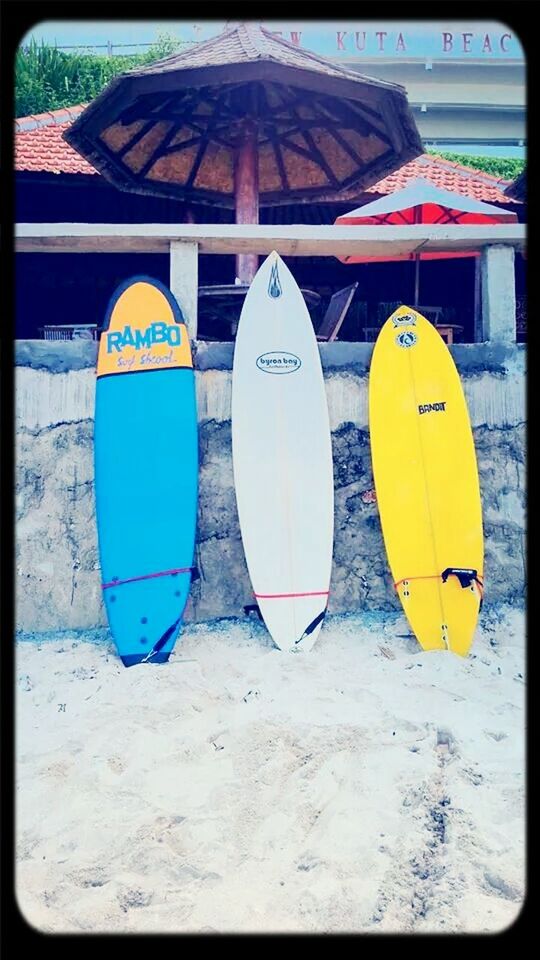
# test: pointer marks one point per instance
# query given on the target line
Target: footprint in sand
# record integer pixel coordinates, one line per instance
(496, 735)
(89, 877)
(59, 769)
(49, 897)
(163, 826)
(501, 887)
(471, 776)
(445, 744)
(116, 764)
(25, 848)
(134, 897)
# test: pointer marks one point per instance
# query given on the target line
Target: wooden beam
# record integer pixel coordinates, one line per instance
(354, 117)
(391, 118)
(299, 240)
(159, 152)
(316, 153)
(264, 107)
(213, 120)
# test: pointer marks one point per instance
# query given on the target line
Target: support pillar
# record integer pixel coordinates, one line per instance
(184, 281)
(498, 294)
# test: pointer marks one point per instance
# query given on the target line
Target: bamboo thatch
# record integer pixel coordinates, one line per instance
(174, 128)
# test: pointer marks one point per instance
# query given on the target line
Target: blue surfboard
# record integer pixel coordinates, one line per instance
(146, 469)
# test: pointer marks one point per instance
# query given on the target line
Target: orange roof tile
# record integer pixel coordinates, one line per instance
(40, 148)
(447, 175)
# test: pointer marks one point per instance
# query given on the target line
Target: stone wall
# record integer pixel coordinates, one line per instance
(57, 568)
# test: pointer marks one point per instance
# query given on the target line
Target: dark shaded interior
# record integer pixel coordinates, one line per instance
(63, 288)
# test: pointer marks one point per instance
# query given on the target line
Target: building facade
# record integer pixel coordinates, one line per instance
(466, 81)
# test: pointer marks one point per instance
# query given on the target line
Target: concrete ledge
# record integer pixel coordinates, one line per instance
(61, 356)
(56, 356)
(294, 240)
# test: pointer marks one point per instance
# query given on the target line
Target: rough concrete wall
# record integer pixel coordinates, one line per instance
(58, 580)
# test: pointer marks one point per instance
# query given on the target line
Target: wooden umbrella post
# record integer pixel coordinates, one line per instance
(477, 325)
(246, 189)
(417, 219)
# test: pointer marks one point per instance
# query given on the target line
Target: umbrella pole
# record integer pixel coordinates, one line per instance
(417, 280)
(246, 189)
(417, 219)
(477, 324)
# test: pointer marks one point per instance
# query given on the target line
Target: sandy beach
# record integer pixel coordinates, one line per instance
(364, 787)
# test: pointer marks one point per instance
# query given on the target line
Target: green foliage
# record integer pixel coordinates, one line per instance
(47, 78)
(508, 168)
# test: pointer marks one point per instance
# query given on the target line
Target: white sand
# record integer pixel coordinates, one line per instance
(366, 786)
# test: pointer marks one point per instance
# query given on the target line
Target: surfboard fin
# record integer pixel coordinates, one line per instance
(132, 659)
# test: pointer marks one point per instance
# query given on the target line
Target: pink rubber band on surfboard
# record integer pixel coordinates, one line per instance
(287, 596)
(145, 576)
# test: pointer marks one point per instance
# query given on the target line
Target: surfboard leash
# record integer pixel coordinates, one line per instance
(314, 623)
(254, 607)
(162, 641)
(465, 575)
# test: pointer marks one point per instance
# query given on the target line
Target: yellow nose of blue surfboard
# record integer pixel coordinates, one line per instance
(143, 333)
(426, 480)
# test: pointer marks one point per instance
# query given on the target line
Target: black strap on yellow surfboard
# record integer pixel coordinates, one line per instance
(465, 575)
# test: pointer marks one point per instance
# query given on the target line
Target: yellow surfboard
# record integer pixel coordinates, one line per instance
(426, 481)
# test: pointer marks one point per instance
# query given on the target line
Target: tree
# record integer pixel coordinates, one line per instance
(47, 78)
(508, 168)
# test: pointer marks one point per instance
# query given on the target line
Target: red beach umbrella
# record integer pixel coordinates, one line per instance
(423, 202)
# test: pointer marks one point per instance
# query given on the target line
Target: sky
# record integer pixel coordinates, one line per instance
(66, 33)
(423, 38)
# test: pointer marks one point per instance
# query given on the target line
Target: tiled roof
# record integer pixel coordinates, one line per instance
(64, 115)
(448, 176)
(40, 148)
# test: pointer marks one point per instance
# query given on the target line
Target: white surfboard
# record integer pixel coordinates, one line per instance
(282, 457)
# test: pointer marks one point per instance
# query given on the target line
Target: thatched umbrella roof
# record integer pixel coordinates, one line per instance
(517, 190)
(176, 128)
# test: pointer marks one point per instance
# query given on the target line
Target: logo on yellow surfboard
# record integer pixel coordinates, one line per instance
(407, 338)
(438, 407)
(143, 331)
(404, 319)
